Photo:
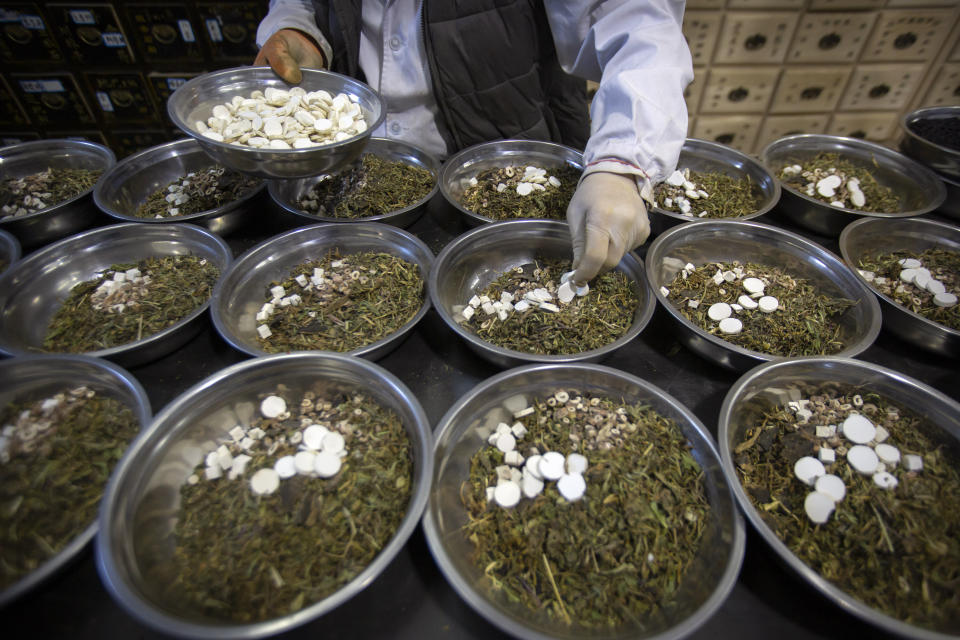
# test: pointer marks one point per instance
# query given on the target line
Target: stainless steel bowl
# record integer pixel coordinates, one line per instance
(241, 291)
(748, 241)
(702, 156)
(66, 217)
(461, 167)
(38, 376)
(872, 236)
(950, 206)
(135, 178)
(713, 572)
(475, 259)
(918, 188)
(141, 502)
(287, 193)
(35, 288)
(764, 387)
(196, 99)
(936, 156)
(9, 250)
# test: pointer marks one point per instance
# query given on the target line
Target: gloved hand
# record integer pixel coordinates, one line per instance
(607, 218)
(287, 51)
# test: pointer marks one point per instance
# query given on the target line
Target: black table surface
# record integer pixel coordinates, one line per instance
(411, 598)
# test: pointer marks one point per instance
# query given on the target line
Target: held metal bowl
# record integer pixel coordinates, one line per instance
(35, 288)
(9, 250)
(469, 263)
(936, 156)
(873, 237)
(748, 241)
(196, 99)
(713, 571)
(287, 193)
(918, 188)
(702, 156)
(242, 291)
(141, 502)
(461, 167)
(125, 187)
(68, 216)
(764, 387)
(35, 377)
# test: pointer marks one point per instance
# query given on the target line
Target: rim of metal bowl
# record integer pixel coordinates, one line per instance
(189, 85)
(61, 144)
(50, 254)
(641, 316)
(844, 241)
(909, 118)
(372, 350)
(433, 166)
(856, 143)
(155, 437)
(839, 597)
(9, 247)
(691, 144)
(142, 411)
(188, 145)
(479, 603)
(510, 148)
(813, 249)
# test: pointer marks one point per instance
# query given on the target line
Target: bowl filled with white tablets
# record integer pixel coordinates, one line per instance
(252, 121)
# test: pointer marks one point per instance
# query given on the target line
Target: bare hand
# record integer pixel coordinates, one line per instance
(287, 51)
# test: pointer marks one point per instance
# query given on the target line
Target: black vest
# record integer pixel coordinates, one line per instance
(493, 66)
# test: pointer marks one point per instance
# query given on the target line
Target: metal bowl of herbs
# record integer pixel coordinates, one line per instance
(177, 182)
(527, 584)
(162, 278)
(527, 320)
(855, 532)
(816, 171)
(471, 180)
(743, 292)
(9, 250)
(357, 289)
(297, 548)
(920, 307)
(191, 108)
(931, 136)
(712, 181)
(391, 182)
(45, 188)
(53, 521)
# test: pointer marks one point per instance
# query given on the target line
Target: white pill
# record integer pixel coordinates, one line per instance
(808, 469)
(565, 292)
(753, 285)
(908, 275)
(571, 486)
(303, 461)
(910, 263)
(858, 428)
(768, 304)
(921, 280)
(747, 302)
(273, 406)
(576, 463)
(551, 465)
(265, 482)
(333, 442)
(719, 311)
(313, 436)
(944, 299)
(885, 480)
(935, 287)
(888, 454)
(531, 485)
(863, 459)
(532, 466)
(566, 276)
(326, 464)
(832, 486)
(818, 506)
(507, 494)
(881, 435)
(285, 467)
(506, 442)
(731, 326)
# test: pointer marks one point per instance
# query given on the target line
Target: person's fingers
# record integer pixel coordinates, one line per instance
(594, 256)
(286, 67)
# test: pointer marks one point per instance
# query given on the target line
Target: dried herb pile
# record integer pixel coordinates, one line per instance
(37, 191)
(496, 193)
(147, 297)
(617, 556)
(57, 456)
(884, 270)
(197, 191)
(373, 187)
(726, 196)
(807, 176)
(896, 550)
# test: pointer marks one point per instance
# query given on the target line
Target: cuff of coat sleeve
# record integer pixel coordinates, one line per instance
(615, 165)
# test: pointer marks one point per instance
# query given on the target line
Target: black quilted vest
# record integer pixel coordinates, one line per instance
(493, 67)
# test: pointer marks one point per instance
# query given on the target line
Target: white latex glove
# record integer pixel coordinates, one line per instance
(607, 218)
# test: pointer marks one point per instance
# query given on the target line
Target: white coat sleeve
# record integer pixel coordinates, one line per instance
(293, 14)
(636, 50)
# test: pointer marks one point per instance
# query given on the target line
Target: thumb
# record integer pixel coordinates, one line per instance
(286, 67)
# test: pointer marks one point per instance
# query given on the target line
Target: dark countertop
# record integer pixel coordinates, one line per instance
(411, 599)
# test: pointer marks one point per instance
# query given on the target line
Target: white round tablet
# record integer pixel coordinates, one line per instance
(731, 326)
(313, 436)
(808, 469)
(944, 299)
(908, 275)
(885, 480)
(863, 459)
(888, 454)
(532, 465)
(506, 442)
(285, 467)
(910, 263)
(326, 464)
(576, 463)
(273, 406)
(551, 465)
(507, 494)
(818, 506)
(719, 311)
(303, 461)
(333, 442)
(753, 285)
(768, 304)
(747, 302)
(858, 428)
(571, 486)
(264, 482)
(832, 486)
